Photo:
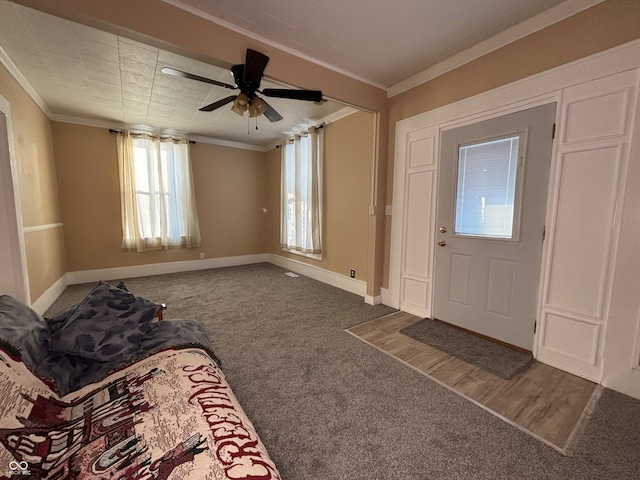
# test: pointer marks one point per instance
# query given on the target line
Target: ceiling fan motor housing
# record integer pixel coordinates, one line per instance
(246, 86)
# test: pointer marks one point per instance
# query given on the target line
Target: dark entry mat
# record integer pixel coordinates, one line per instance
(498, 359)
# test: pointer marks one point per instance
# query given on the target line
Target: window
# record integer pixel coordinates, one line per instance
(487, 188)
(157, 199)
(301, 189)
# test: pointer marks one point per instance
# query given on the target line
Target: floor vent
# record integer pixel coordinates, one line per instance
(291, 274)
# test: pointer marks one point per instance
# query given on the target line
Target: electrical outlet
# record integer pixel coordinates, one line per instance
(201, 255)
(353, 273)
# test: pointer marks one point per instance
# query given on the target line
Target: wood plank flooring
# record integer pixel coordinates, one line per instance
(548, 403)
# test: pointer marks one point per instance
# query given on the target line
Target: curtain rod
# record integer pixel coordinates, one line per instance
(317, 127)
(118, 132)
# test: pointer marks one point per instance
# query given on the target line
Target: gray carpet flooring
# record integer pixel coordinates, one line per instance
(329, 407)
(498, 359)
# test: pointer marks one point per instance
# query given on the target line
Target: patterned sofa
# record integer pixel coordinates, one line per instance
(103, 390)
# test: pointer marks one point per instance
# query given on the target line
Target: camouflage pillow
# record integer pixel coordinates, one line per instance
(107, 325)
(57, 321)
(24, 329)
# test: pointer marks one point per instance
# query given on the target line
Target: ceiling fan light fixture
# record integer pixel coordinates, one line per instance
(257, 106)
(242, 99)
(238, 109)
(240, 104)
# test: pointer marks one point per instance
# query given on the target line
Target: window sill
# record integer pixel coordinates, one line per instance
(314, 256)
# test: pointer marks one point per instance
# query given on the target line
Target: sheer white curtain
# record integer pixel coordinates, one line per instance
(158, 204)
(301, 193)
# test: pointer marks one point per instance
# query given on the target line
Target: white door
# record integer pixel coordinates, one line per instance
(11, 278)
(490, 224)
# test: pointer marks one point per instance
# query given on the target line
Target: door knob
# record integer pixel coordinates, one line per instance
(442, 243)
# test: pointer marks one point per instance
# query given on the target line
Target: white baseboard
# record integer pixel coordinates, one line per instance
(86, 276)
(325, 276)
(385, 297)
(45, 300)
(343, 282)
(377, 300)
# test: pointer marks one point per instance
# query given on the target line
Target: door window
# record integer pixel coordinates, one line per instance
(489, 175)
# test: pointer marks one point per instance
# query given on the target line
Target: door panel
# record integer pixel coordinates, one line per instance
(502, 276)
(460, 268)
(577, 285)
(418, 201)
(487, 275)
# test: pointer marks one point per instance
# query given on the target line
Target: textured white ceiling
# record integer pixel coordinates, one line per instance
(86, 74)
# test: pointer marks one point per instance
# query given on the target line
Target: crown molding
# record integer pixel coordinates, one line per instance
(548, 17)
(228, 143)
(24, 83)
(334, 117)
(339, 115)
(89, 122)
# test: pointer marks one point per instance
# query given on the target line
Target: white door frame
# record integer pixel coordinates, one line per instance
(539, 89)
(17, 248)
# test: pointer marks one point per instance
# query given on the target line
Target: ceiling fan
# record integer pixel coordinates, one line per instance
(247, 79)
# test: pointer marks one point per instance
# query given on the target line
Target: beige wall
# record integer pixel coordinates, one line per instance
(233, 186)
(230, 193)
(347, 179)
(272, 200)
(37, 186)
(348, 154)
(596, 29)
(229, 196)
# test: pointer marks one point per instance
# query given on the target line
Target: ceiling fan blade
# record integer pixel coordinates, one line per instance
(220, 103)
(191, 76)
(238, 74)
(254, 66)
(271, 114)
(308, 95)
